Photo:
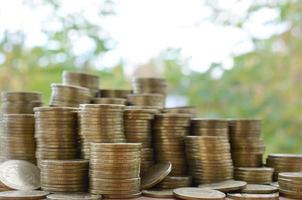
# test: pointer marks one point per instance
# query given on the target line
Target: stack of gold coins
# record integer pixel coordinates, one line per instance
(172, 182)
(89, 81)
(114, 93)
(137, 127)
(20, 102)
(209, 127)
(64, 175)
(109, 100)
(69, 95)
(17, 139)
(149, 85)
(100, 123)
(169, 131)
(115, 169)
(254, 175)
(146, 99)
(56, 132)
(182, 109)
(209, 159)
(247, 145)
(290, 184)
(284, 163)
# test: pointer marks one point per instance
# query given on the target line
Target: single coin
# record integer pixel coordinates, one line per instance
(275, 184)
(16, 195)
(242, 196)
(168, 193)
(192, 193)
(225, 186)
(259, 189)
(155, 174)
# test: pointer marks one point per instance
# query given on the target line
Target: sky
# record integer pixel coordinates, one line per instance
(141, 29)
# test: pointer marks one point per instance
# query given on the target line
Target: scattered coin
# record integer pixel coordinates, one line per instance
(158, 193)
(74, 196)
(242, 196)
(225, 186)
(191, 193)
(23, 195)
(259, 189)
(155, 174)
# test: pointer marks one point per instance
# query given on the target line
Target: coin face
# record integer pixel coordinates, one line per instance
(259, 189)
(158, 193)
(242, 196)
(155, 174)
(15, 195)
(20, 175)
(76, 196)
(225, 186)
(191, 193)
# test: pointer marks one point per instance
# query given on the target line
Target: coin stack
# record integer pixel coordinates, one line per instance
(100, 123)
(146, 99)
(182, 109)
(137, 127)
(290, 184)
(20, 102)
(149, 85)
(89, 81)
(107, 93)
(284, 163)
(257, 175)
(56, 132)
(17, 139)
(64, 175)
(69, 95)
(109, 100)
(209, 127)
(169, 131)
(247, 146)
(115, 169)
(172, 182)
(209, 159)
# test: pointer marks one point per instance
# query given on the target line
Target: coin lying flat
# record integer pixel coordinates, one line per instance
(275, 184)
(155, 174)
(158, 193)
(20, 175)
(241, 196)
(191, 193)
(225, 186)
(24, 195)
(76, 196)
(259, 189)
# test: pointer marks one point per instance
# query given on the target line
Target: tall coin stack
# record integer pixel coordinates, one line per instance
(20, 102)
(108, 100)
(17, 139)
(209, 159)
(284, 163)
(114, 93)
(100, 123)
(146, 99)
(64, 175)
(69, 95)
(290, 184)
(149, 85)
(209, 127)
(138, 129)
(56, 132)
(247, 146)
(258, 175)
(169, 131)
(89, 81)
(115, 169)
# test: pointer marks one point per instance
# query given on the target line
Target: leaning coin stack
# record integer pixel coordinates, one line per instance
(115, 169)
(209, 127)
(20, 102)
(284, 163)
(56, 132)
(290, 184)
(17, 139)
(149, 85)
(169, 131)
(182, 109)
(109, 100)
(172, 182)
(259, 175)
(114, 93)
(209, 159)
(146, 99)
(138, 129)
(89, 81)
(64, 175)
(69, 95)
(247, 145)
(100, 123)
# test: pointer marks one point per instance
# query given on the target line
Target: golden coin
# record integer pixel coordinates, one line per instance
(191, 193)
(242, 196)
(155, 174)
(259, 189)
(225, 186)
(158, 193)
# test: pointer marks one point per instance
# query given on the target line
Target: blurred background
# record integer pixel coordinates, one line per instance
(229, 58)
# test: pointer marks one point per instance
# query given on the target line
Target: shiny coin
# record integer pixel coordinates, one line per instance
(240, 196)
(76, 196)
(26, 195)
(225, 186)
(191, 193)
(259, 189)
(159, 193)
(155, 174)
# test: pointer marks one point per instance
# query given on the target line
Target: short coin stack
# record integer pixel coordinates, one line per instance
(247, 146)
(260, 175)
(182, 109)
(108, 100)
(146, 99)
(17, 139)
(82, 79)
(209, 127)
(209, 159)
(100, 123)
(20, 102)
(149, 85)
(138, 129)
(169, 131)
(115, 169)
(69, 95)
(172, 182)
(114, 93)
(284, 163)
(64, 175)
(290, 184)
(56, 132)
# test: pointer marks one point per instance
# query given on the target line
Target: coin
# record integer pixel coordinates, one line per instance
(114, 93)
(261, 175)
(225, 186)
(191, 193)
(149, 85)
(158, 193)
(107, 100)
(30, 195)
(76, 196)
(274, 196)
(146, 99)
(155, 174)
(172, 182)
(259, 189)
